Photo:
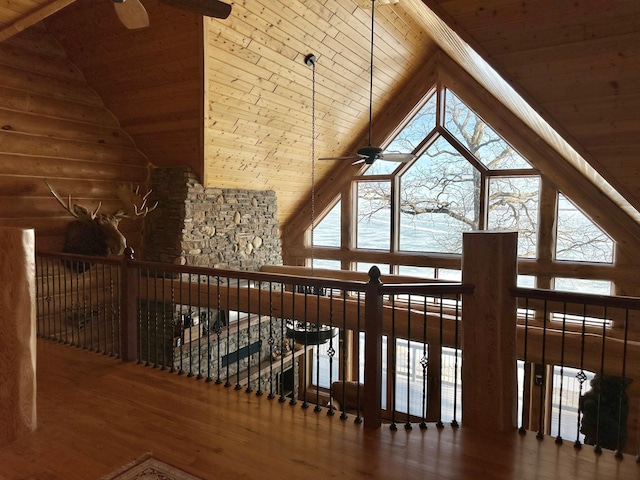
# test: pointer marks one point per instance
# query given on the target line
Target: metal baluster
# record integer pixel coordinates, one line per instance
(597, 447)
(618, 453)
(358, 418)
(581, 376)
(238, 386)
(148, 317)
(305, 352)
(221, 315)
(522, 430)
(173, 310)
(271, 342)
(83, 322)
(259, 391)
(331, 352)
(407, 425)
(392, 346)
(60, 274)
(439, 423)
(227, 383)
(282, 335)
(317, 408)
(454, 422)
(156, 318)
(542, 381)
(90, 316)
(201, 331)
(191, 320)
(163, 285)
(424, 362)
(182, 326)
(209, 327)
(564, 323)
(343, 357)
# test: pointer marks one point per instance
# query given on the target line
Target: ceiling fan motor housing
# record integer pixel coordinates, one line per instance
(370, 153)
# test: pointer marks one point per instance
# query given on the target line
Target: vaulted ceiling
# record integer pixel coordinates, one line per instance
(248, 122)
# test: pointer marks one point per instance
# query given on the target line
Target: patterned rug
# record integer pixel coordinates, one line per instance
(149, 468)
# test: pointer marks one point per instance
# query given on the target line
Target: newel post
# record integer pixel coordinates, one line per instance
(373, 352)
(489, 369)
(17, 333)
(129, 308)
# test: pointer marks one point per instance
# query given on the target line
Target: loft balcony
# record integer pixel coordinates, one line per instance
(96, 413)
(199, 367)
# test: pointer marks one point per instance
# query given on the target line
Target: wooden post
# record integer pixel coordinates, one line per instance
(373, 352)
(17, 334)
(129, 308)
(489, 369)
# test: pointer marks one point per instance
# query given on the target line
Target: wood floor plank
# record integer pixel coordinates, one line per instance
(96, 413)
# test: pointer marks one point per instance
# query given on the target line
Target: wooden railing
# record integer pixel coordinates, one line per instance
(232, 327)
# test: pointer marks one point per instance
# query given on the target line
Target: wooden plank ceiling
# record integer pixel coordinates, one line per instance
(576, 61)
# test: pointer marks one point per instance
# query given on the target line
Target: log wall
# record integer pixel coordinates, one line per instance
(151, 78)
(54, 127)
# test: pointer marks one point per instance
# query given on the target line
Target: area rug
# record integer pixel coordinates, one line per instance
(149, 468)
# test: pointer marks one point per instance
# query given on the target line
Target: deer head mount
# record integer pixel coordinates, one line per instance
(97, 234)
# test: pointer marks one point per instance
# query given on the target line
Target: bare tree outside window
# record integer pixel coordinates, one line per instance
(440, 194)
(578, 238)
(465, 177)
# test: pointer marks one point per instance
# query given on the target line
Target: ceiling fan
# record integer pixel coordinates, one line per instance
(370, 153)
(133, 15)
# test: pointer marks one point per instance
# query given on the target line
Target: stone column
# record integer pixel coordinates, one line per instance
(17, 333)
(489, 369)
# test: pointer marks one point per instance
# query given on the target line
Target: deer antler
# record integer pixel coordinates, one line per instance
(76, 210)
(131, 196)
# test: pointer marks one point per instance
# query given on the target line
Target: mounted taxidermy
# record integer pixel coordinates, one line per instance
(97, 234)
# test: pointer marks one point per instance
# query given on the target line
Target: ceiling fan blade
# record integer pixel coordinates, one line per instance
(397, 157)
(131, 13)
(350, 157)
(208, 8)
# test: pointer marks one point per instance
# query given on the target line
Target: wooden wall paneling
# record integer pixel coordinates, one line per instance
(29, 102)
(41, 84)
(35, 124)
(47, 65)
(395, 110)
(151, 79)
(584, 192)
(575, 62)
(56, 128)
(260, 50)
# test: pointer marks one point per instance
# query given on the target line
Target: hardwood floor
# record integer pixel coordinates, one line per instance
(96, 414)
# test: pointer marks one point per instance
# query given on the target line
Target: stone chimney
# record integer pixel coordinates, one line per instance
(210, 227)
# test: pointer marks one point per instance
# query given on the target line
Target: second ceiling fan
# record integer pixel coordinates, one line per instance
(133, 15)
(370, 153)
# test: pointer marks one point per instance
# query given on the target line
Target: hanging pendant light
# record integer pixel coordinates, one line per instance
(310, 60)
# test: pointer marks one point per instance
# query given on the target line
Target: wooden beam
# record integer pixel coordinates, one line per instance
(33, 18)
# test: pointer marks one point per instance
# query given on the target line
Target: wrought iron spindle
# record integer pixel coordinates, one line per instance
(439, 423)
(581, 376)
(392, 346)
(259, 391)
(543, 375)
(562, 349)
(424, 363)
(343, 354)
(331, 352)
(522, 430)
(454, 422)
(358, 418)
(407, 424)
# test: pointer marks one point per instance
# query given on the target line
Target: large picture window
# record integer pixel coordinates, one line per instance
(465, 177)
